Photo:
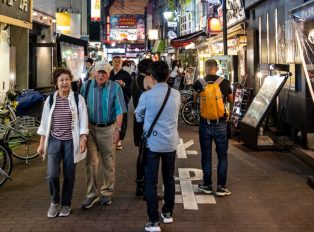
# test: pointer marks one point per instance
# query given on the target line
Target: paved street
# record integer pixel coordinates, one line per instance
(269, 193)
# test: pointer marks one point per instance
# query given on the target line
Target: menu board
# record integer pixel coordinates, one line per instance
(237, 107)
(263, 100)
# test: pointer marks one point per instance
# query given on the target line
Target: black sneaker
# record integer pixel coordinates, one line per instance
(152, 226)
(206, 189)
(222, 191)
(167, 218)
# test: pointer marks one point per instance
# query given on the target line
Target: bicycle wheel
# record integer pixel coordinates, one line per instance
(184, 98)
(24, 142)
(5, 164)
(190, 113)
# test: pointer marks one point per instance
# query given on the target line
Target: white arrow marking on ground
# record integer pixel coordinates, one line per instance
(181, 150)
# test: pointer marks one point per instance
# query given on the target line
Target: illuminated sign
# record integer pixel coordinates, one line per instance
(153, 34)
(116, 50)
(214, 26)
(95, 10)
(108, 28)
(127, 21)
(172, 24)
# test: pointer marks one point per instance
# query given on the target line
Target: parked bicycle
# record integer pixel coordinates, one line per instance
(6, 163)
(191, 113)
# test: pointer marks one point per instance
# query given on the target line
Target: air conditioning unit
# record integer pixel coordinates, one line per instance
(188, 8)
(65, 10)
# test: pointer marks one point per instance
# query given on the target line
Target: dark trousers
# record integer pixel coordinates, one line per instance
(151, 175)
(207, 133)
(124, 126)
(60, 150)
(140, 170)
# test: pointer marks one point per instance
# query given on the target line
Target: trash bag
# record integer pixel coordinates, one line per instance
(27, 102)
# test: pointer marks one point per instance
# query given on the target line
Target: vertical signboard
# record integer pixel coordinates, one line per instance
(95, 10)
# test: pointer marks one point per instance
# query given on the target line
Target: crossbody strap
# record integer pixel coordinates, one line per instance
(159, 113)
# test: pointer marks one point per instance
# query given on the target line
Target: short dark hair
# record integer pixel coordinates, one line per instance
(211, 63)
(90, 60)
(143, 65)
(160, 71)
(125, 63)
(116, 57)
(59, 71)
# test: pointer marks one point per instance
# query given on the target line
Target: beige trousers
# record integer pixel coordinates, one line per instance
(99, 145)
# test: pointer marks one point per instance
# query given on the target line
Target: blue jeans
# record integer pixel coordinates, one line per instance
(151, 175)
(59, 150)
(207, 133)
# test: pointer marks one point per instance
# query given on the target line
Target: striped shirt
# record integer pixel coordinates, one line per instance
(105, 103)
(62, 119)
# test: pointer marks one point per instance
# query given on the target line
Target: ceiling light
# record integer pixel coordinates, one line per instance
(53, 21)
(45, 17)
(35, 14)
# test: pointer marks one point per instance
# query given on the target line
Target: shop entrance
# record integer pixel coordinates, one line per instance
(42, 63)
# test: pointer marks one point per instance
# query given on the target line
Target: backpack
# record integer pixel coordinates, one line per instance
(76, 97)
(211, 100)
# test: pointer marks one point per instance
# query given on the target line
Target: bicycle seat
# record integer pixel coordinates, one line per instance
(4, 113)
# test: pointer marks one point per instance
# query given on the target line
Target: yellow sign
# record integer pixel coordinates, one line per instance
(63, 22)
(95, 10)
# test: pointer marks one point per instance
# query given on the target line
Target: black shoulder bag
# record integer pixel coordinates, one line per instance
(142, 146)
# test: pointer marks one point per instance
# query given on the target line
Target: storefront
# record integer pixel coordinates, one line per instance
(15, 21)
(42, 50)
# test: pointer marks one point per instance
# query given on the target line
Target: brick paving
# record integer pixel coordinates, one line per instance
(269, 193)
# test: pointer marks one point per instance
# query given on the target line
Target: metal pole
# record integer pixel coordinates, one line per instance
(225, 27)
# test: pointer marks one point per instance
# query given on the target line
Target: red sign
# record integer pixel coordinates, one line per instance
(127, 21)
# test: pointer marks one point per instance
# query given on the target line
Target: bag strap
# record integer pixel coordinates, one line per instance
(51, 100)
(87, 90)
(159, 113)
(219, 80)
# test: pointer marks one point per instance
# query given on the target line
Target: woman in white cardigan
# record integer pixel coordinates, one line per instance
(63, 130)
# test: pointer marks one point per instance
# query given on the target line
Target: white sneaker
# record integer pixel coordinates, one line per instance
(150, 226)
(167, 217)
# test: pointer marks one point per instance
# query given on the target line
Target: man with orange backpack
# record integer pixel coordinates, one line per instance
(213, 91)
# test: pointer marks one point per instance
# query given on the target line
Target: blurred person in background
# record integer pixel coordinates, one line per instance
(124, 79)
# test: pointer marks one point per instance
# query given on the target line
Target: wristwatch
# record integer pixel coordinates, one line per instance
(123, 85)
(118, 129)
(85, 138)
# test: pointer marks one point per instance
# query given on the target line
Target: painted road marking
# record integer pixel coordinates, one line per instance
(181, 150)
(187, 189)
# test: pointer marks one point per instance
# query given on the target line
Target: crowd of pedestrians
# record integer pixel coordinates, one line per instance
(92, 124)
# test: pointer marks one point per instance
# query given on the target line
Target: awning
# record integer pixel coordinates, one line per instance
(231, 33)
(159, 46)
(185, 40)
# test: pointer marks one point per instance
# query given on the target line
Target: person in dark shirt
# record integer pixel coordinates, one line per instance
(124, 79)
(214, 129)
(141, 84)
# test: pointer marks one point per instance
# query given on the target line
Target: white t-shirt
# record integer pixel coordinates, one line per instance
(127, 69)
(133, 68)
(174, 72)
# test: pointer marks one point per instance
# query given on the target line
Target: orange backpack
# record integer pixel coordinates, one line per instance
(211, 100)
